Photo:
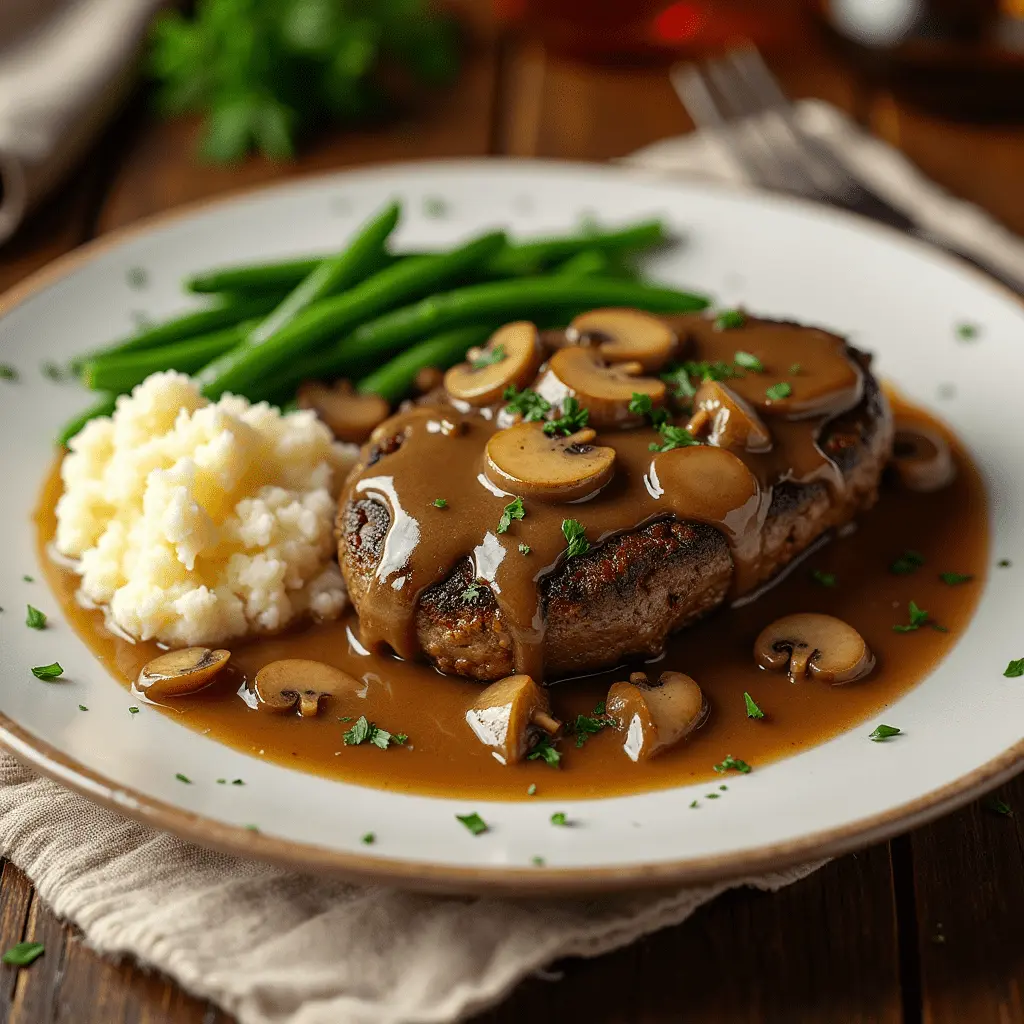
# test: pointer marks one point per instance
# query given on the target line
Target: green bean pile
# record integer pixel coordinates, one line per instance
(374, 315)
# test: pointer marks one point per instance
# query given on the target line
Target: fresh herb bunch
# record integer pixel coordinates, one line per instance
(265, 71)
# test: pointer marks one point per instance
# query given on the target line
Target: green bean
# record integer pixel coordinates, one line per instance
(588, 263)
(246, 368)
(120, 373)
(395, 378)
(495, 301)
(104, 407)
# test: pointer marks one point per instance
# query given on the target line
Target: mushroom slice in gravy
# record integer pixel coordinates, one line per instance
(281, 685)
(655, 716)
(180, 672)
(922, 459)
(810, 644)
(510, 359)
(510, 715)
(625, 335)
(351, 416)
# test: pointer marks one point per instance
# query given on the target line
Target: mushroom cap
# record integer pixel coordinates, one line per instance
(180, 672)
(625, 335)
(350, 415)
(520, 354)
(812, 644)
(280, 685)
(604, 390)
(726, 420)
(509, 714)
(523, 460)
(655, 716)
(922, 458)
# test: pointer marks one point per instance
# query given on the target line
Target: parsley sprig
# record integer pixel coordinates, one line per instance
(672, 437)
(513, 510)
(575, 537)
(572, 417)
(527, 403)
(364, 731)
(735, 764)
(489, 357)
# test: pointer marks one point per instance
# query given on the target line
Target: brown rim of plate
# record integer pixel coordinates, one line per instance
(443, 878)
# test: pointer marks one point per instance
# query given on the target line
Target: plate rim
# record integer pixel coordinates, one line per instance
(208, 832)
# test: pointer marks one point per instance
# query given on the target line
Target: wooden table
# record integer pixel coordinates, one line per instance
(928, 927)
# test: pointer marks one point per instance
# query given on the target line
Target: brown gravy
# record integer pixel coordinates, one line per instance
(949, 529)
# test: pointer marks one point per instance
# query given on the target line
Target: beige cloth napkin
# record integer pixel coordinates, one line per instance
(275, 947)
(64, 64)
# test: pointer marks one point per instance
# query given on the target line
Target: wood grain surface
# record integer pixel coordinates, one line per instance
(929, 927)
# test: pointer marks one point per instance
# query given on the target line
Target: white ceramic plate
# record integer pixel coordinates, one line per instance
(963, 725)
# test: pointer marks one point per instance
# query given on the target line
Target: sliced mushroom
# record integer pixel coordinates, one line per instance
(511, 358)
(524, 460)
(280, 685)
(351, 416)
(654, 716)
(922, 459)
(180, 672)
(606, 391)
(625, 335)
(726, 420)
(810, 644)
(510, 715)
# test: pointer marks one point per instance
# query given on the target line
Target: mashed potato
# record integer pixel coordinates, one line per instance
(195, 522)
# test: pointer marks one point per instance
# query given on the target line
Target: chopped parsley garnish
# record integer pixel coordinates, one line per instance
(545, 751)
(884, 732)
(704, 370)
(730, 319)
(183, 778)
(369, 839)
(513, 510)
(537, 862)
(679, 378)
(642, 405)
(531, 790)
(133, 710)
(1015, 669)
(530, 405)
(693, 803)
(52, 371)
(779, 391)
(572, 417)
(364, 731)
(136, 277)
(28, 579)
(918, 617)
(488, 357)
(23, 953)
(559, 818)
(251, 828)
(473, 822)
(735, 763)
(908, 562)
(825, 579)
(473, 592)
(35, 619)
(575, 537)
(951, 579)
(966, 331)
(672, 437)
(237, 782)
(795, 369)
(710, 796)
(222, 782)
(434, 206)
(48, 672)
(753, 711)
(1004, 563)
(8, 372)
(997, 806)
(749, 362)
(82, 707)
(723, 787)
(524, 549)
(440, 503)
(586, 726)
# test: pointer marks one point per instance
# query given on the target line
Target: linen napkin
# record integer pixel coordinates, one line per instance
(64, 65)
(277, 947)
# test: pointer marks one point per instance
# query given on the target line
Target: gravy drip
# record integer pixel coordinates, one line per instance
(441, 455)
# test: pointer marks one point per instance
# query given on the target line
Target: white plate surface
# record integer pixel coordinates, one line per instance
(963, 725)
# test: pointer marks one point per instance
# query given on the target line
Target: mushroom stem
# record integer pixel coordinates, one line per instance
(309, 703)
(551, 725)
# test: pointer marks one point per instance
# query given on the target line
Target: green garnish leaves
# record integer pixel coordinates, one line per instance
(749, 362)
(28, 579)
(884, 732)
(8, 372)
(488, 357)
(435, 207)
(672, 437)
(364, 731)
(537, 862)
(82, 707)
(473, 593)
(679, 378)
(918, 618)
(524, 549)
(951, 579)
(753, 711)
(824, 579)
(23, 953)
(183, 778)
(734, 763)
(908, 562)
(1015, 669)
(35, 619)
(967, 331)
(572, 417)
(729, 320)
(559, 818)
(513, 510)
(642, 405)
(530, 405)
(575, 538)
(48, 672)
(136, 277)
(531, 790)
(693, 804)
(779, 391)
(795, 369)
(133, 710)
(586, 726)
(473, 822)
(369, 838)
(1004, 563)
(997, 806)
(440, 503)
(545, 751)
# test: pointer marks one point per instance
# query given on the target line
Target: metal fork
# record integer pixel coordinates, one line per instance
(739, 92)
